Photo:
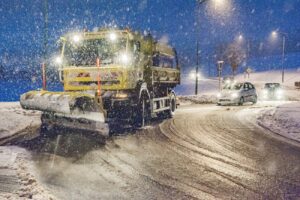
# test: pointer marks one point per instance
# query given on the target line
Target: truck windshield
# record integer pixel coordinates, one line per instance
(87, 52)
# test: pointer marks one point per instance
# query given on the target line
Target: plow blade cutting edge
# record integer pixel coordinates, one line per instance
(68, 109)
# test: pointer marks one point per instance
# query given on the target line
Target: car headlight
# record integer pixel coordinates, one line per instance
(234, 95)
(279, 93)
(265, 92)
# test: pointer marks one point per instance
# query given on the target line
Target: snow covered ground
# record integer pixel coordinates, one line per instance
(18, 176)
(17, 173)
(283, 120)
(20, 179)
(15, 120)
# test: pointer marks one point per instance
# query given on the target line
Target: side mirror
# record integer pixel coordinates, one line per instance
(137, 47)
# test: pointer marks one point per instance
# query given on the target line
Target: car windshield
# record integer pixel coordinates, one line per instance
(87, 52)
(235, 86)
(272, 85)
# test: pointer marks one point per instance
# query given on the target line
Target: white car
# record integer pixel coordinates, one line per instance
(237, 93)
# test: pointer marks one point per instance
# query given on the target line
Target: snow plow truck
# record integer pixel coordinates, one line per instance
(109, 76)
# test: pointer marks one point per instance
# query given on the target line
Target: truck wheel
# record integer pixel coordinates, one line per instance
(143, 115)
(171, 111)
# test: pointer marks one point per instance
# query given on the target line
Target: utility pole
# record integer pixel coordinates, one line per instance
(220, 67)
(197, 68)
(45, 45)
(283, 52)
(199, 2)
(274, 34)
(45, 42)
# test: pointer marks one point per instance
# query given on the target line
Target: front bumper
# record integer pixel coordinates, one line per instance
(272, 97)
(228, 101)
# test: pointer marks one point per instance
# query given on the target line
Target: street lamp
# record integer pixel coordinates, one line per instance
(199, 2)
(274, 34)
(240, 38)
(197, 48)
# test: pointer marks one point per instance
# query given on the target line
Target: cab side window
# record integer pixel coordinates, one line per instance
(166, 62)
(155, 59)
(163, 61)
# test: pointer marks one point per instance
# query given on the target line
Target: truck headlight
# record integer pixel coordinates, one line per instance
(76, 38)
(219, 95)
(121, 95)
(124, 58)
(112, 36)
(58, 60)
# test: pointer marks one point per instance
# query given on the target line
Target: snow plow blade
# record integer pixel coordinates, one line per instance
(72, 110)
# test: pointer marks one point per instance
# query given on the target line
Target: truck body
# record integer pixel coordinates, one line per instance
(109, 76)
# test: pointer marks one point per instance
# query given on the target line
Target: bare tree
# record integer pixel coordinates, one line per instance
(234, 55)
(2, 72)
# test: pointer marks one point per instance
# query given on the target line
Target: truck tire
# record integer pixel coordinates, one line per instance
(143, 112)
(171, 111)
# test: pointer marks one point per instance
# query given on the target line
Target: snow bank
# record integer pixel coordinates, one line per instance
(20, 180)
(13, 119)
(199, 99)
(283, 120)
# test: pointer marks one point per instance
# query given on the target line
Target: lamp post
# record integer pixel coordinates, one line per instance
(45, 14)
(197, 69)
(220, 67)
(199, 2)
(283, 35)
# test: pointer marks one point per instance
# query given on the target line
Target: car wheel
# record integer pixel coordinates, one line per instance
(255, 99)
(241, 102)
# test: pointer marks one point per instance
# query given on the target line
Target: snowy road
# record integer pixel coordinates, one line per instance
(205, 152)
